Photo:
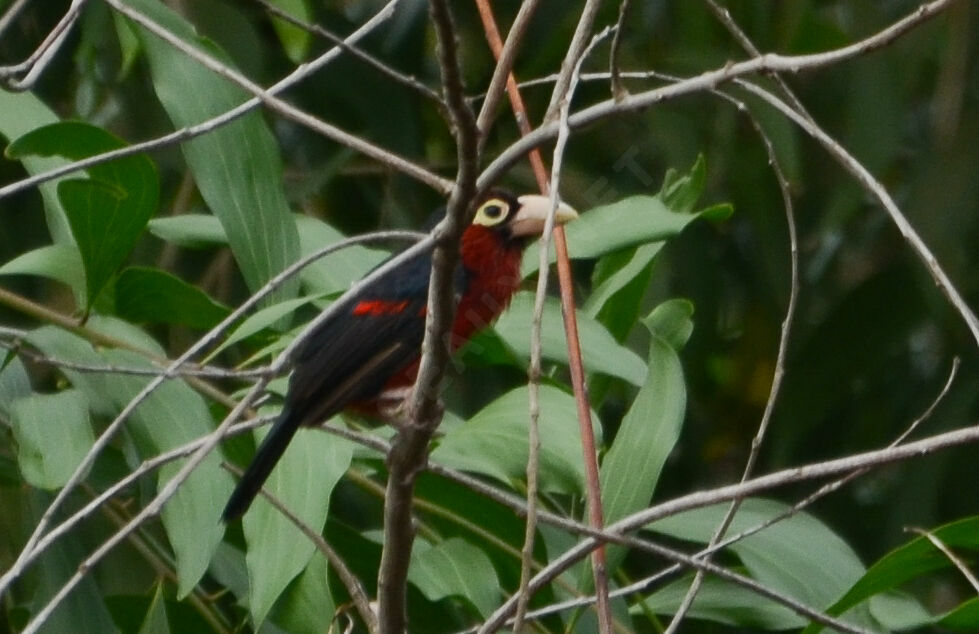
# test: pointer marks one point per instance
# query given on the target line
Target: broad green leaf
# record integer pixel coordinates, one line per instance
(724, 602)
(899, 611)
(307, 606)
(53, 434)
(262, 319)
(455, 568)
(776, 555)
(630, 221)
(172, 416)
(193, 231)
(156, 616)
(914, 559)
(601, 352)
(295, 41)
(494, 441)
(23, 112)
(61, 262)
(642, 258)
(303, 481)
(145, 295)
(336, 271)
(107, 212)
(237, 167)
(647, 435)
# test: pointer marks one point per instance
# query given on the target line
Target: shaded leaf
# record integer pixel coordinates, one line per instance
(494, 441)
(303, 481)
(307, 606)
(193, 231)
(455, 568)
(61, 262)
(153, 296)
(601, 352)
(237, 167)
(53, 434)
(156, 616)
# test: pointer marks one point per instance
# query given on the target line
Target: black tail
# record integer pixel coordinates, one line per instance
(268, 454)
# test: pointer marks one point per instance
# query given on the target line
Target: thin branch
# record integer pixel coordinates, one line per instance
(410, 449)
(190, 132)
(505, 54)
(780, 359)
(377, 64)
(618, 88)
(37, 61)
(875, 188)
(705, 81)
(283, 108)
(10, 15)
(579, 41)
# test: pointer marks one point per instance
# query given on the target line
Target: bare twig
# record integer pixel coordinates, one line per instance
(505, 54)
(705, 81)
(37, 61)
(284, 108)
(410, 449)
(359, 53)
(780, 359)
(9, 15)
(875, 188)
(582, 34)
(618, 88)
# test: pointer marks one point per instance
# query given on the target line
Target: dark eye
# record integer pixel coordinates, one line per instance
(493, 211)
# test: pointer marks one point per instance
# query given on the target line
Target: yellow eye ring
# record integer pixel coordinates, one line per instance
(492, 212)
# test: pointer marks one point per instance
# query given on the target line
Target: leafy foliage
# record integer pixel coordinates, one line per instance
(108, 273)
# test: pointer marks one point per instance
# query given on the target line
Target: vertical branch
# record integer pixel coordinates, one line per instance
(567, 289)
(409, 451)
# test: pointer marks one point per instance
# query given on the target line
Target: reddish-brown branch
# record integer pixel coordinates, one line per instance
(596, 516)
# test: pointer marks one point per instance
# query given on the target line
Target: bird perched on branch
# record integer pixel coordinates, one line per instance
(366, 357)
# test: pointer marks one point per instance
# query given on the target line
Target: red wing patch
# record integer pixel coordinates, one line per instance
(379, 307)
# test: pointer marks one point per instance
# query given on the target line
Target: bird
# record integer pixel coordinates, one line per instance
(365, 357)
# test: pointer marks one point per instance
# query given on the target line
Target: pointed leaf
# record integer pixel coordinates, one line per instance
(601, 352)
(303, 481)
(61, 262)
(494, 441)
(154, 296)
(237, 167)
(455, 568)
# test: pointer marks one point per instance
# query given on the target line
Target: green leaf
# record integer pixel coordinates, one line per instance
(23, 112)
(671, 321)
(336, 271)
(262, 319)
(681, 192)
(914, 559)
(455, 568)
(628, 222)
(724, 602)
(776, 555)
(647, 435)
(60, 262)
(307, 606)
(53, 434)
(107, 212)
(193, 231)
(601, 352)
(147, 295)
(964, 618)
(14, 384)
(303, 481)
(295, 41)
(156, 616)
(641, 259)
(237, 167)
(494, 441)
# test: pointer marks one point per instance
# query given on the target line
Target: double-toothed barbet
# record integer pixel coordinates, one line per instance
(366, 357)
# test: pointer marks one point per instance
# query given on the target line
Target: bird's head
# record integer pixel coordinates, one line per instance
(517, 219)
